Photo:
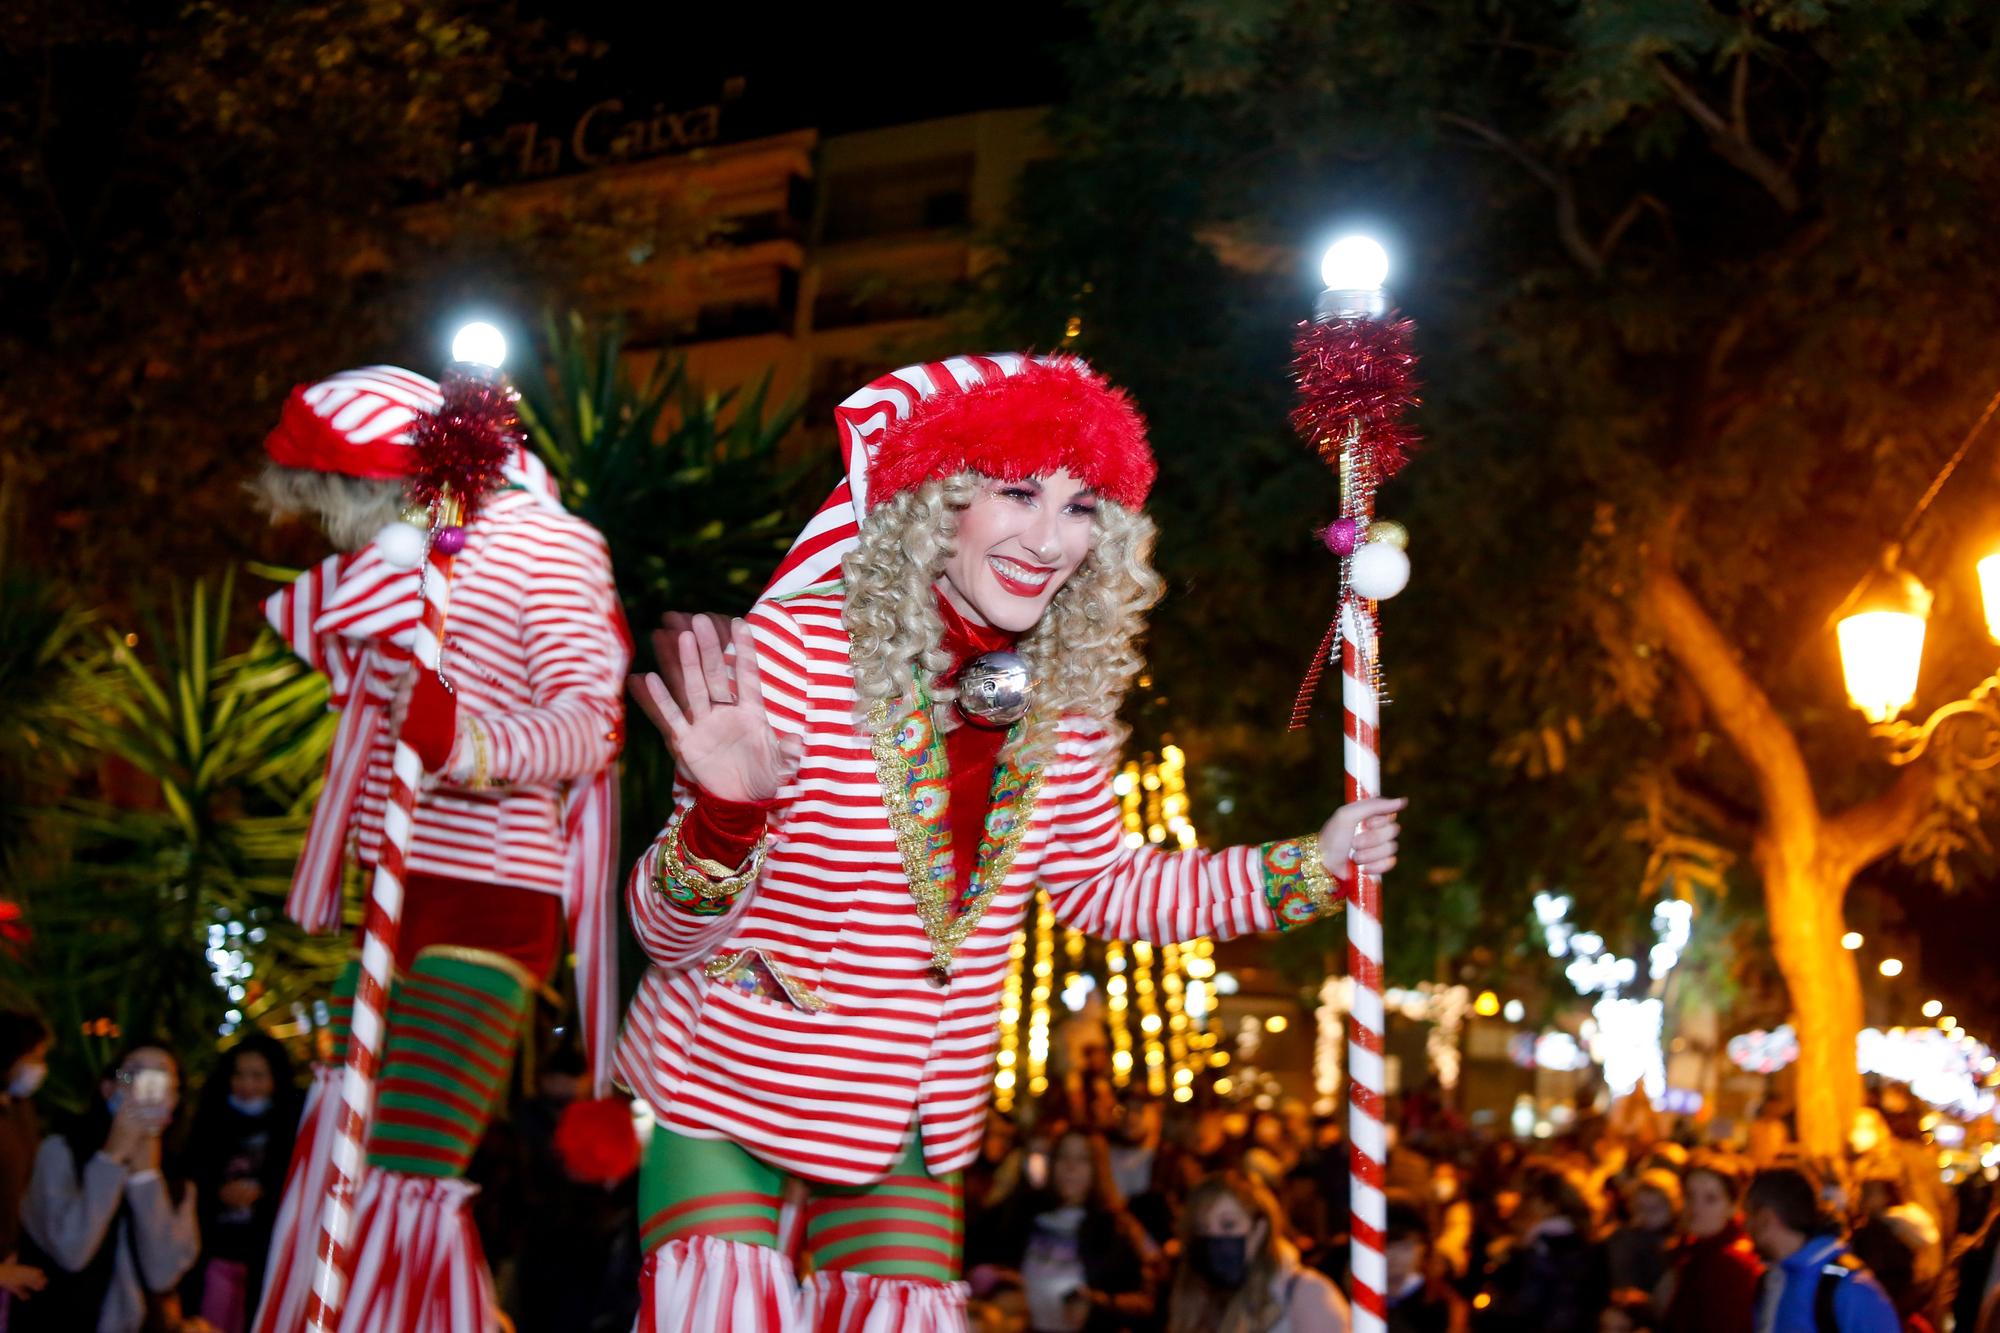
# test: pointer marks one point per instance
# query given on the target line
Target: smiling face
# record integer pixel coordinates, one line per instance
(1018, 543)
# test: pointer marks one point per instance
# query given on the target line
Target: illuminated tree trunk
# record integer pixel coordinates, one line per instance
(1804, 906)
(1806, 859)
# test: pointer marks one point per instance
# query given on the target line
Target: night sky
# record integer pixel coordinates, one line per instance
(806, 66)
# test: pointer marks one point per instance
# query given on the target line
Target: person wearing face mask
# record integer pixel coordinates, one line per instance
(1238, 1273)
(241, 1142)
(1419, 1301)
(1711, 1283)
(106, 1217)
(914, 729)
(24, 1056)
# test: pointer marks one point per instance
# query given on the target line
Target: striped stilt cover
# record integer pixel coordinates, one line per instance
(295, 1233)
(288, 1272)
(418, 1266)
(703, 1284)
(843, 1302)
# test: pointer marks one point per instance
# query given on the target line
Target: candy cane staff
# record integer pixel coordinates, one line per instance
(916, 727)
(1356, 381)
(497, 827)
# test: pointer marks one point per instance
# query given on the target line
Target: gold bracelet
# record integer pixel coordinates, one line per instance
(482, 758)
(1321, 887)
(674, 865)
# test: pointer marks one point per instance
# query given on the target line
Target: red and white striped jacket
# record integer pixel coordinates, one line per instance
(823, 1075)
(536, 655)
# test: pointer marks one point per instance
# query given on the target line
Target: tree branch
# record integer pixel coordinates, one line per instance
(1739, 88)
(1716, 807)
(1871, 829)
(1739, 707)
(1616, 231)
(1731, 141)
(1568, 228)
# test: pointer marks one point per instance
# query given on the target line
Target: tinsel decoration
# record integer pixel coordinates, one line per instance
(1357, 383)
(1357, 372)
(461, 448)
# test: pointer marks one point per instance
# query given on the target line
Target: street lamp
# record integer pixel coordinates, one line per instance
(480, 344)
(1881, 650)
(1882, 643)
(1353, 269)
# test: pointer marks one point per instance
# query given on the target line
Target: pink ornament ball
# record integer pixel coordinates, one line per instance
(1341, 536)
(451, 540)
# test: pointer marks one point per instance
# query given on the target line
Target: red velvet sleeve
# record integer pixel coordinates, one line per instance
(723, 831)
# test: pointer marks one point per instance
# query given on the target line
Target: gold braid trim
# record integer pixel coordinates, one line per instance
(933, 896)
(1321, 886)
(705, 878)
(499, 962)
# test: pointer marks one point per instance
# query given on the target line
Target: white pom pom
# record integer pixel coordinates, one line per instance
(1378, 571)
(401, 544)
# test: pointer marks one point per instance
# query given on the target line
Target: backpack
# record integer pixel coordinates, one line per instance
(1832, 1274)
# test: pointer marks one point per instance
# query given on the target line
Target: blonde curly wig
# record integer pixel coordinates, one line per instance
(1083, 653)
(350, 510)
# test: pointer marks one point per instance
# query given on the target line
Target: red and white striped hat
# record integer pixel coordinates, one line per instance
(1004, 415)
(357, 423)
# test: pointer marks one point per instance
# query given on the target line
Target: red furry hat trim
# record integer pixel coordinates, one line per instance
(1049, 416)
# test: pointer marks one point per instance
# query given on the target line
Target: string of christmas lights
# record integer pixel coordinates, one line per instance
(1038, 1007)
(1158, 1004)
(1117, 1004)
(1008, 1059)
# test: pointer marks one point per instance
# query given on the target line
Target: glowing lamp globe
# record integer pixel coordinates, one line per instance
(479, 344)
(1354, 264)
(1989, 593)
(1880, 653)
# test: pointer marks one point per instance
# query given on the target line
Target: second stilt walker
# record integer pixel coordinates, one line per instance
(508, 839)
(914, 727)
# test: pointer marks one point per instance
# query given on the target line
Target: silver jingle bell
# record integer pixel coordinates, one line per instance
(993, 689)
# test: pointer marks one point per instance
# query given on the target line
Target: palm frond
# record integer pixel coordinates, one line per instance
(227, 746)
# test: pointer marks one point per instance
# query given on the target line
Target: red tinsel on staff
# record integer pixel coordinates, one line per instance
(461, 447)
(1353, 371)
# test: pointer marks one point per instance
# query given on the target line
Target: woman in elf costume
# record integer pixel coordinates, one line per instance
(914, 727)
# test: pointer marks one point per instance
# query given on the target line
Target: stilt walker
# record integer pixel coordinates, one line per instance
(914, 727)
(472, 774)
(1355, 372)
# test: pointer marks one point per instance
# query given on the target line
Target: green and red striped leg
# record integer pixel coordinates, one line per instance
(453, 1020)
(706, 1187)
(708, 1226)
(886, 1255)
(340, 1010)
(905, 1225)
